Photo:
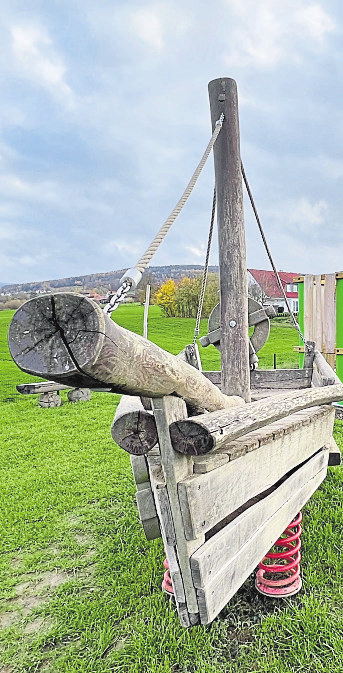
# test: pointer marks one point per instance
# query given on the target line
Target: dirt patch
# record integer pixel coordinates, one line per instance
(83, 539)
(27, 603)
(36, 625)
(7, 669)
(7, 619)
(48, 580)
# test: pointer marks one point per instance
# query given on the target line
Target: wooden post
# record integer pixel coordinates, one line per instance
(231, 236)
(146, 311)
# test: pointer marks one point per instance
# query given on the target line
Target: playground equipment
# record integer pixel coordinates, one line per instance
(49, 393)
(321, 317)
(223, 461)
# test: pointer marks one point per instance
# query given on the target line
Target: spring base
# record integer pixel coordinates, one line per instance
(167, 586)
(279, 572)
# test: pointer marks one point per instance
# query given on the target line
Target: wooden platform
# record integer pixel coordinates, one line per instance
(220, 513)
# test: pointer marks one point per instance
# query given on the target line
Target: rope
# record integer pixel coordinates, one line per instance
(295, 322)
(149, 253)
(204, 278)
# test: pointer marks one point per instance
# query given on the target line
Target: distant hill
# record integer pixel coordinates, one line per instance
(102, 282)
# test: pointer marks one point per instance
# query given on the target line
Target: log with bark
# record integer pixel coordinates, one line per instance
(68, 339)
(201, 434)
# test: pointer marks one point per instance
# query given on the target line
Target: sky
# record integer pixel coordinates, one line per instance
(104, 116)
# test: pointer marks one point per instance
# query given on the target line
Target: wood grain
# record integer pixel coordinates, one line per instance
(200, 434)
(221, 566)
(68, 338)
(231, 237)
(206, 499)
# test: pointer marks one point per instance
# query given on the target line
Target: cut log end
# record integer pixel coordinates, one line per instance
(55, 335)
(135, 432)
(190, 439)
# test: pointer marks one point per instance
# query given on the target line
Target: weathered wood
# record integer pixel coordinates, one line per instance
(147, 512)
(175, 468)
(69, 339)
(139, 469)
(221, 566)
(308, 308)
(318, 317)
(200, 434)
(40, 388)
(253, 440)
(280, 378)
(158, 485)
(146, 311)
(335, 456)
(329, 318)
(79, 395)
(327, 376)
(206, 499)
(231, 237)
(134, 428)
(272, 378)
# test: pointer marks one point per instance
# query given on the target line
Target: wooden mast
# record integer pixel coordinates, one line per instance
(231, 236)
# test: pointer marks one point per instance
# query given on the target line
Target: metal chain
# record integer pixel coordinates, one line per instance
(307, 344)
(204, 278)
(117, 297)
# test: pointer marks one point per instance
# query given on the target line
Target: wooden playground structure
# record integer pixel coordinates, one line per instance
(223, 461)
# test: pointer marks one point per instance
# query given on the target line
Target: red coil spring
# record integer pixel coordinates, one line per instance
(167, 586)
(280, 575)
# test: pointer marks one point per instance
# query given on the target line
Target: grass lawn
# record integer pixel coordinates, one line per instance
(80, 585)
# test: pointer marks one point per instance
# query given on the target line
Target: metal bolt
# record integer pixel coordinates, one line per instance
(232, 323)
(221, 97)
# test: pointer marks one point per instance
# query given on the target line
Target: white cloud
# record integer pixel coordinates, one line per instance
(37, 59)
(197, 252)
(267, 33)
(148, 26)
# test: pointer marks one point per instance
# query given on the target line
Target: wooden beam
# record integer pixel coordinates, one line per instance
(200, 434)
(231, 235)
(69, 339)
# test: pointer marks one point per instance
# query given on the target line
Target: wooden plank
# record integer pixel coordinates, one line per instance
(221, 566)
(39, 388)
(200, 434)
(329, 314)
(176, 467)
(335, 456)
(206, 499)
(265, 376)
(327, 376)
(234, 341)
(318, 317)
(158, 486)
(139, 469)
(309, 308)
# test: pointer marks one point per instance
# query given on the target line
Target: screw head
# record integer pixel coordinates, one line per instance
(232, 323)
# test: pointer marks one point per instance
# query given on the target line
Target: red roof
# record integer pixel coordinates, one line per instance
(268, 283)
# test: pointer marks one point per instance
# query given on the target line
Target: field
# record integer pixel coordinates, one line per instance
(80, 585)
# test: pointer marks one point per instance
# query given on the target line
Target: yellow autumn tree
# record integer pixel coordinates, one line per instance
(165, 298)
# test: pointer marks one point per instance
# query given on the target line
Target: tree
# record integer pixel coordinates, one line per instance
(165, 298)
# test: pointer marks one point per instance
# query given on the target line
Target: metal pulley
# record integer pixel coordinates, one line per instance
(258, 318)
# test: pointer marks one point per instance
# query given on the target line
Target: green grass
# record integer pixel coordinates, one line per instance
(80, 585)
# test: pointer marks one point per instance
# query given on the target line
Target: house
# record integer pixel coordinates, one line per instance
(264, 287)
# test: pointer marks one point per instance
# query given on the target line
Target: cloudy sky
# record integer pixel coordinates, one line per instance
(104, 115)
